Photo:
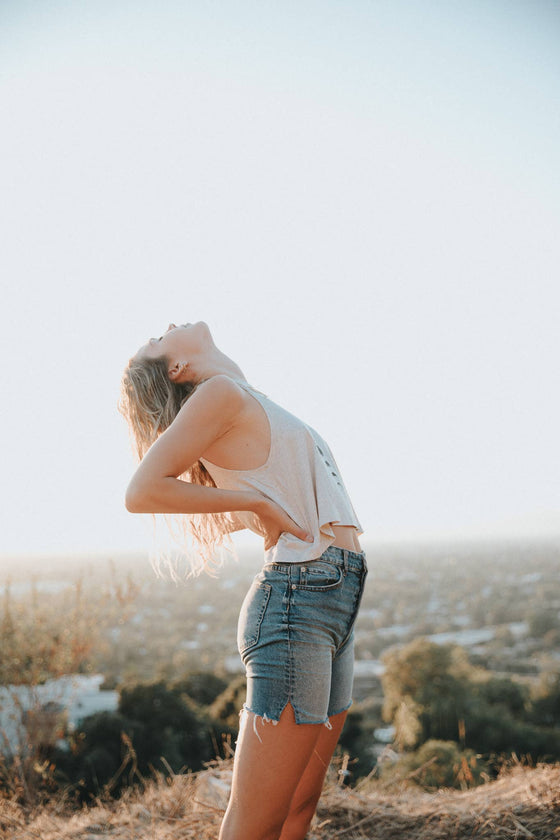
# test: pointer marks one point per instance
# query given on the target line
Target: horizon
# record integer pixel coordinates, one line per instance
(249, 552)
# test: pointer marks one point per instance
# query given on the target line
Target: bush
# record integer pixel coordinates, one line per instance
(155, 730)
(442, 764)
(168, 727)
(505, 693)
(357, 740)
(432, 693)
(226, 707)
(545, 709)
(202, 686)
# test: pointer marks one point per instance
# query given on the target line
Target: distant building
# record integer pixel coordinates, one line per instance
(39, 715)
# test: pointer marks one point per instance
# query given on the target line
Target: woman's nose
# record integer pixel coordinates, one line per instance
(171, 327)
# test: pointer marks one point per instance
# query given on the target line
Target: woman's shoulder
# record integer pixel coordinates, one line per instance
(228, 386)
(219, 393)
(220, 383)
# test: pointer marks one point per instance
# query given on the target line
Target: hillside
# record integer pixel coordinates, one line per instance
(522, 803)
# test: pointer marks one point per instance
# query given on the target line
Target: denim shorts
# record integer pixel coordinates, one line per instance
(296, 639)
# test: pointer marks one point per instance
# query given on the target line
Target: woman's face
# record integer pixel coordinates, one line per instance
(179, 343)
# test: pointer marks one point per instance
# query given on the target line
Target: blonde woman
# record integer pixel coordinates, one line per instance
(225, 457)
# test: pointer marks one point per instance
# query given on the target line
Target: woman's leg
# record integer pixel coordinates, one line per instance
(308, 791)
(269, 763)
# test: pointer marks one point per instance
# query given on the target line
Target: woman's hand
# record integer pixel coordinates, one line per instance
(275, 521)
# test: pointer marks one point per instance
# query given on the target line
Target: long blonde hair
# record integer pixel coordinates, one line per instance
(150, 401)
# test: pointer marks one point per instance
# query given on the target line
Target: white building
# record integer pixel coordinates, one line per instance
(55, 703)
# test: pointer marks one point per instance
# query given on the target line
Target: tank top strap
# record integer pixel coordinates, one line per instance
(267, 405)
(247, 387)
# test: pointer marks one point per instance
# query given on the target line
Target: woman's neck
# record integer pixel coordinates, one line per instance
(218, 363)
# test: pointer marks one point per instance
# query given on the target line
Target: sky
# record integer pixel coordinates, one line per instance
(360, 198)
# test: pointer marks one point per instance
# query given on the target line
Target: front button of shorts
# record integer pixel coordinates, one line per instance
(293, 586)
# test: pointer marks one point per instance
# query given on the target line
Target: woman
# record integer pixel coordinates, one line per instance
(215, 449)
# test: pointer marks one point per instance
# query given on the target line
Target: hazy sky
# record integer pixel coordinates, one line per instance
(362, 200)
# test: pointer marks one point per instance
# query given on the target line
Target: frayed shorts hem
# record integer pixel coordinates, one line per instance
(275, 721)
(340, 711)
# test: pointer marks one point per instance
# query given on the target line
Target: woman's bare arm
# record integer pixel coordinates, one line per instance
(208, 415)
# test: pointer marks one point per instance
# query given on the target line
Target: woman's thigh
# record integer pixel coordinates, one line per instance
(310, 785)
(270, 759)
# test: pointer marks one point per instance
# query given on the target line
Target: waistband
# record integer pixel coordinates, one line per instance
(348, 560)
(344, 557)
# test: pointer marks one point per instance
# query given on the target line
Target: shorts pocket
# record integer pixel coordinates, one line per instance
(251, 615)
(319, 576)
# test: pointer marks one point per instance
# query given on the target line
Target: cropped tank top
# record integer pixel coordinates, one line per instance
(301, 475)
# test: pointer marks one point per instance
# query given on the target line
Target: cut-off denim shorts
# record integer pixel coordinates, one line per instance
(296, 636)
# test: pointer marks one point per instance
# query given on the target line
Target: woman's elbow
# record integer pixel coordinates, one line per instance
(135, 499)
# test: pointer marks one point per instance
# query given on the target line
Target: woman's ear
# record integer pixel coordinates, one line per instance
(179, 372)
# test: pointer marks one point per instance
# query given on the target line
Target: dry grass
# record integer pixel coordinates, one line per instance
(523, 804)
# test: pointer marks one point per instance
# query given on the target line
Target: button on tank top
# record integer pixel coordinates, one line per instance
(301, 475)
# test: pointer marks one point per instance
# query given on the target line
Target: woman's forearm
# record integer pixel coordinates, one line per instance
(172, 495)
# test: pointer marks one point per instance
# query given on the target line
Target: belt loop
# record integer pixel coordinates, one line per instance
(345, 557)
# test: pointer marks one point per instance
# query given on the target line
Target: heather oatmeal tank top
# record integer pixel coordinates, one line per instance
(301, 475)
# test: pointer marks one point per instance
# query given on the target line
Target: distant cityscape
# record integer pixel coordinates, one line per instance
(500, 602)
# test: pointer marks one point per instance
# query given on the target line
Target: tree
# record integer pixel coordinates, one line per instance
(155, 729)
(169, 727)
(431, 692)
(502, 692)
(542, 622)
(425, 691)
(443, 764)
(226, 707)
(201, 686)
(545, 708)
